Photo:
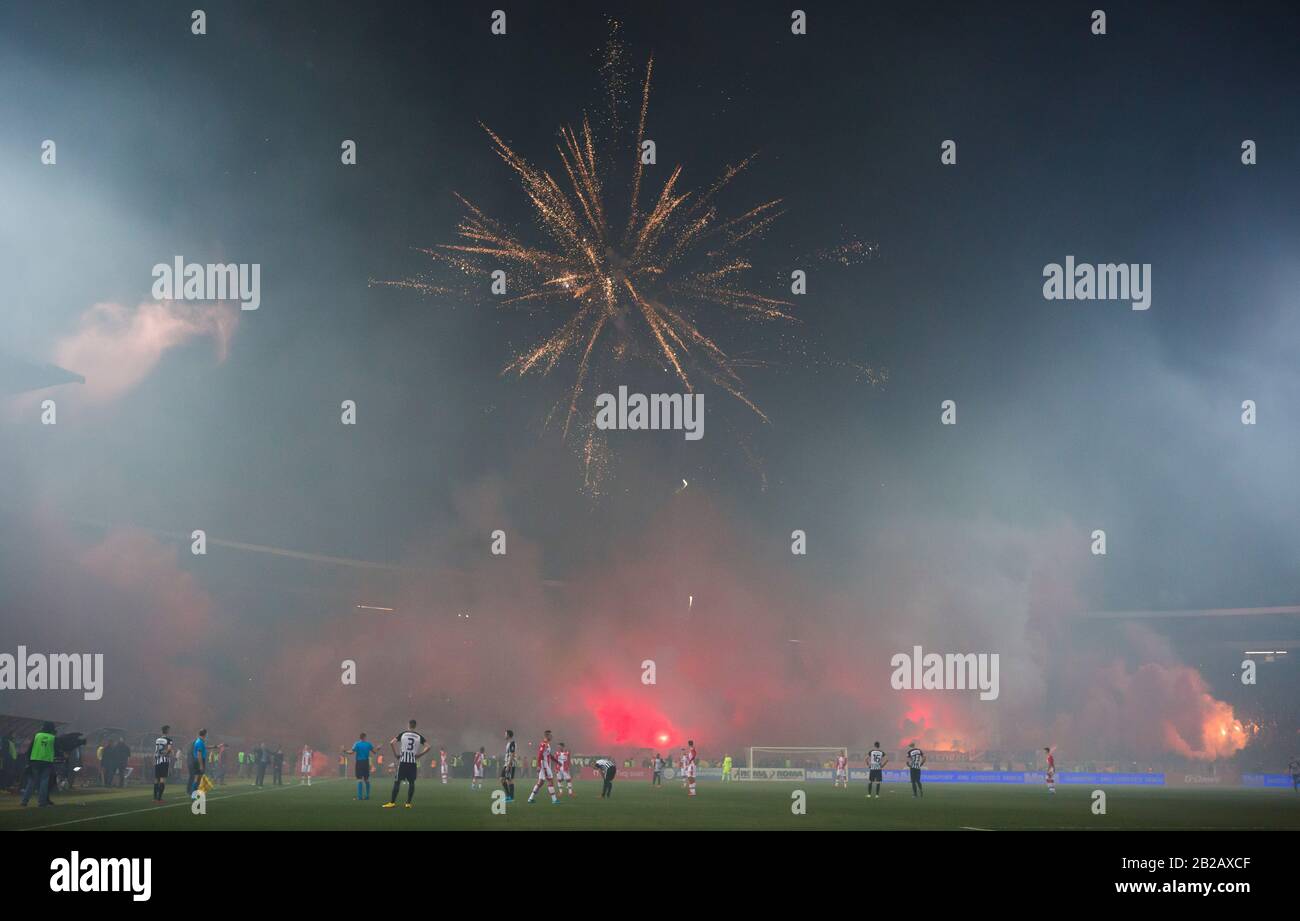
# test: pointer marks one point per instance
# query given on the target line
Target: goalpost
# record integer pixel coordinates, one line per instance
(787, 762)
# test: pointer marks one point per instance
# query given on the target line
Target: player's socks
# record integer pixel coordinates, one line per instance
(397, 786)
(358, 789)
(367, 789)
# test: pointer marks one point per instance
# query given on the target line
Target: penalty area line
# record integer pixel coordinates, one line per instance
(185, 802)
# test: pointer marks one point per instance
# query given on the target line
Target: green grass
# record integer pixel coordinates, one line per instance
(328, 805)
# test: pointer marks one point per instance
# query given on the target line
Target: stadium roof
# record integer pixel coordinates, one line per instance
(19, 374)
(21, 727)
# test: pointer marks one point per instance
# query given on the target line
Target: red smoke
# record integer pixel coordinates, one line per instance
(624, 722)
(766, 654)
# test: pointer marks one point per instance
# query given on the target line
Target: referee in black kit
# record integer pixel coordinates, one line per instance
(606, 768)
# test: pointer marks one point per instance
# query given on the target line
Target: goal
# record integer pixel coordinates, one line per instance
(789, 763)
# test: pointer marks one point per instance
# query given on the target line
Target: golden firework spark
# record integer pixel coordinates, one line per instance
(628, 268)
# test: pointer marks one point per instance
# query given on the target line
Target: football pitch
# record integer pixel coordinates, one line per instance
(328, 805)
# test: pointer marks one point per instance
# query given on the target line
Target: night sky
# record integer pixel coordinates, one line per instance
(1072, 415)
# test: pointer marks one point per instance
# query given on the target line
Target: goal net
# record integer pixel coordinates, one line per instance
(775, 763)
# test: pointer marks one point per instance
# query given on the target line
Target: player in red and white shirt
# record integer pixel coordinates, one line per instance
(545, 769)
(563, 768)
(1050, 776)
(480, 756)
(681, 767)
(842, 770)
(689, 766)
(442, 764)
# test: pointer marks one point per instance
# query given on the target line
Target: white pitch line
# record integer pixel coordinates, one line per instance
(973, 828)
(185, 802)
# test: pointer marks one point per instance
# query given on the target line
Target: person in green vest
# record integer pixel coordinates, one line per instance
(40, 767)
(726, 768)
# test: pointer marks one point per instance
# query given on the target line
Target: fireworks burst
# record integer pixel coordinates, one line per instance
(629, 269)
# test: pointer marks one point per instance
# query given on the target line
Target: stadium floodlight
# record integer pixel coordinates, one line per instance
(791, 761)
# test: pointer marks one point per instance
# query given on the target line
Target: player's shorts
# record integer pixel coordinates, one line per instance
(478, 773)
(876, 775)
(690, 771)
(160, 771)
(1051, 776)
(916, 774)
(406, 771)
(545, 772)
(841, 774)
(508, 772)
(563, 775)
(196, 766)
(362, 769)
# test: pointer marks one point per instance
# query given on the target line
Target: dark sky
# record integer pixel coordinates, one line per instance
(1071, 415)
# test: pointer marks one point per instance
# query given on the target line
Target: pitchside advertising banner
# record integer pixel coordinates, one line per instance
(1094, 779)
(1083, 778)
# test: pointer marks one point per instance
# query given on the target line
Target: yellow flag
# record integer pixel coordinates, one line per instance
(205, 784)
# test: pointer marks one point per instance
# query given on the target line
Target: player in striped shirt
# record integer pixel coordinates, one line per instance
(563, 768)
(606, 768)
(162, 753)
(508, 767)
(1050, 776)
(545, 769)
(692, 756)
(305, 766)
(915, 760)
(407, 751)
(442, 764)
(876, 761)
(842, 770)
(480, 758)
